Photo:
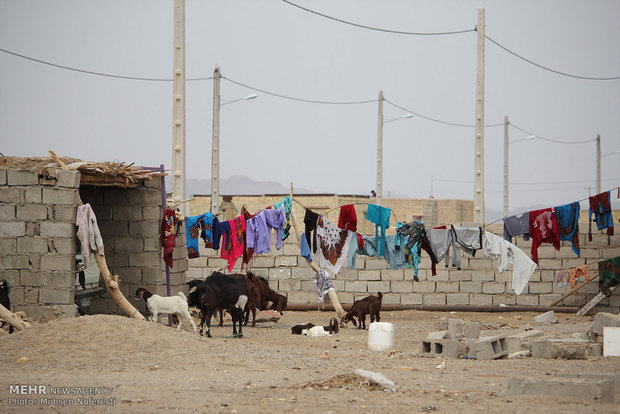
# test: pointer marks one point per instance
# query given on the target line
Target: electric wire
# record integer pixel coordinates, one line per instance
(378, 29)
(298, 99)
(89, 72)
(549, 139)
(438, 120)
(549, 69)
(525, 183)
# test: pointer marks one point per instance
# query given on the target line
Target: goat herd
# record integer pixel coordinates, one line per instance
(239, 295)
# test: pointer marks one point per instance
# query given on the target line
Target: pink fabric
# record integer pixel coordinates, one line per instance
(233, 248)
(543, 229)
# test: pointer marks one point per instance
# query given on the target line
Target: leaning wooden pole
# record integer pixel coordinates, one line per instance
(573, 290)
(333, 296)
(12, 319)
(110, 281)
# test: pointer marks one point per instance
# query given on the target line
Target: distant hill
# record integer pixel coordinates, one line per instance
(240, 185)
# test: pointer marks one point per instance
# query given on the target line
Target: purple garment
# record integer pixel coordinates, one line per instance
(258, 230)
(517, 225)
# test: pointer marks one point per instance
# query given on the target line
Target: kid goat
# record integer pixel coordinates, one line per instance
(166, 304)
(360, 308)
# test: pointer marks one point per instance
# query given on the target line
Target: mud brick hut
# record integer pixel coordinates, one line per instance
(39, 246)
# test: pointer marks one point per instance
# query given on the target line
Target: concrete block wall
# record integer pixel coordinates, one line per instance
(130, 223)
(37, 239)
(477, 283)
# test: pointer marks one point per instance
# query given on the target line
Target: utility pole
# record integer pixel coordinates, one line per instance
(178, 103)
(215, 144)
(479, 148)
(380, 152)
(598, 163)
(506, 166)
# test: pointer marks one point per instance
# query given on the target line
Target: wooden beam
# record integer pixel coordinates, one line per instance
(573, 290)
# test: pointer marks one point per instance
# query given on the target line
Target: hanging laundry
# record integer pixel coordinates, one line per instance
(464, 239)
(333, 245)
(209, 233)
(395, 253)
(305, 248)
(440, 241)
(609, 274)
(380, 216)
(247, 251)
(287, 204)
(167, 235)
(517, 225)
(323, 283)
(348, 218)
(601, 207)
(576, 272)
(561, 278)
(416, 234)
(234, 241)
(193, 228)
(88, 233)
(310, 220)
(507, 253)
(568, 224)
(367, 248)
(543, 229)
(258, 230)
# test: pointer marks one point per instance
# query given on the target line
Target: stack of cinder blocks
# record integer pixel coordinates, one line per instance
(457, 338)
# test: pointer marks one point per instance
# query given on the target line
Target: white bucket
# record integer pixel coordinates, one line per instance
(380, 336)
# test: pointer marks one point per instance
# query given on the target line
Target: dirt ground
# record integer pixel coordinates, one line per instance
(141, 366)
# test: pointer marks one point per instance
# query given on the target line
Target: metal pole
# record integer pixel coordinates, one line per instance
(506, 166)
(598, 164)
(479, 150)
(380, 152)
(178, 105)
(215, 144)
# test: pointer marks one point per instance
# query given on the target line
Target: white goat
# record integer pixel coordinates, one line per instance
(166, 304)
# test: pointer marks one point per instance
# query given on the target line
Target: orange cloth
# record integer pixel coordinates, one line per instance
(577, 272)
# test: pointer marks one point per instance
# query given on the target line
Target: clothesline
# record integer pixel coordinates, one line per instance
(518, 214)
(336, 208)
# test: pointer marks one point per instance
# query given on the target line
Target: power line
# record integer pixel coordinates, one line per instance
(378, 28)
(549, 69)
(88, 72)
(525, 183)
(299, 99)
(439, 120)
(549, 139)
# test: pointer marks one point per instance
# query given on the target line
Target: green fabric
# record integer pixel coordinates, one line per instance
(609, 273)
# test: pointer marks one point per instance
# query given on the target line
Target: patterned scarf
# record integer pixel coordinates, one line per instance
(568, 224)
(167, 235)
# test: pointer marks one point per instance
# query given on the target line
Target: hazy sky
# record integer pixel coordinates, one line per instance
(273, 46)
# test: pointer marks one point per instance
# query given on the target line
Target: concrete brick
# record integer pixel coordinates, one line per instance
(356, 286)
(69, 179)
(374, 287)
(12, 195)
(151, 213)
(476, 264)
(369, 275)
(32, 245)
(33, 195)
(63, 280)
(306, 273)
(3, 176)
(52, 229)
(390, 299)
(447, 287)
(280, 273)
(113, 228)
(215, 262)
(144, 259)
(550, 264)
(65, 213)
(471, 287)
(529, 300)
(12, 229)
(493, 287)
(144, 227)
(375, 264)
(489, 347)
(31, 295)
(127, 212)
(411, 298)
(602, 320)
(60, 196)
(65, 262)
(483, 275)
(7, 212)
(440, 348)
(130, 244)
(8, 246)
(598, 239)
(14, 262)
(460, 275)
(288, 285)
(442, 275)
(16, 296)
(424, 287)
(22, 177)
(457, 298)
(434, 299)
(152, 244)
(11, 277)
(56, 296)
(299, 297)
(402, 286)
(479, 299)
(570, 263)
(548, 299)
(264, 261)
(565, 349)
(286, 261)
(35, 278)
(389, 274)
(515, 342)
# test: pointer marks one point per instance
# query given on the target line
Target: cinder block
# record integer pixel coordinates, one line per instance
(493, 287)
(63, 280)
(63, 262)
(69, 179)
(299, 297)
(356, 286)
(471, 287)
(458, 329)
(262, 261)
(489, 347)
(144, 227)
(401, 286)
(143, 259)
(529, 300)
(389, 298)
(56, 296)
(280, 273)
(437, 335)
(459, 275)
(579, 389)
(434, 299)
(457, 298)
(602, 319)
(306, 273)
(565, 349)
(127, 212)
(483, 275)
(33, 195)
(7, 212)
(30, 245)
(369, 275)
(374, 287)
(60, 196)
(3, 176)
(424, 287)
(22, 177)
(516, 342)
(12, 195)
(53, 229)
(286, 261)
(14, 261)
(35, 278)
(289, 285)
(540, 287)
(444, 348)
(375, 264)
(12, 229)
(130, 244)
(447, 287)
(389, 274)
(411, 298)
(479, 299)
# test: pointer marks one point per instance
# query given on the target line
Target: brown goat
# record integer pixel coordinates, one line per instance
(360, 308)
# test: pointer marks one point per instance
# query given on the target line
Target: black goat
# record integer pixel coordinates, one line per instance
(5, 301)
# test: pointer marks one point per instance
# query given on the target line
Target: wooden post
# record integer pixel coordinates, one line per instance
(573, 290)
(110, 281)
(333, 296)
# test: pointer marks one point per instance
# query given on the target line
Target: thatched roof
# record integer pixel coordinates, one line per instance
(117, 174)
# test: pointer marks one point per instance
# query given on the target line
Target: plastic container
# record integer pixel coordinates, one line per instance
(380, 336)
